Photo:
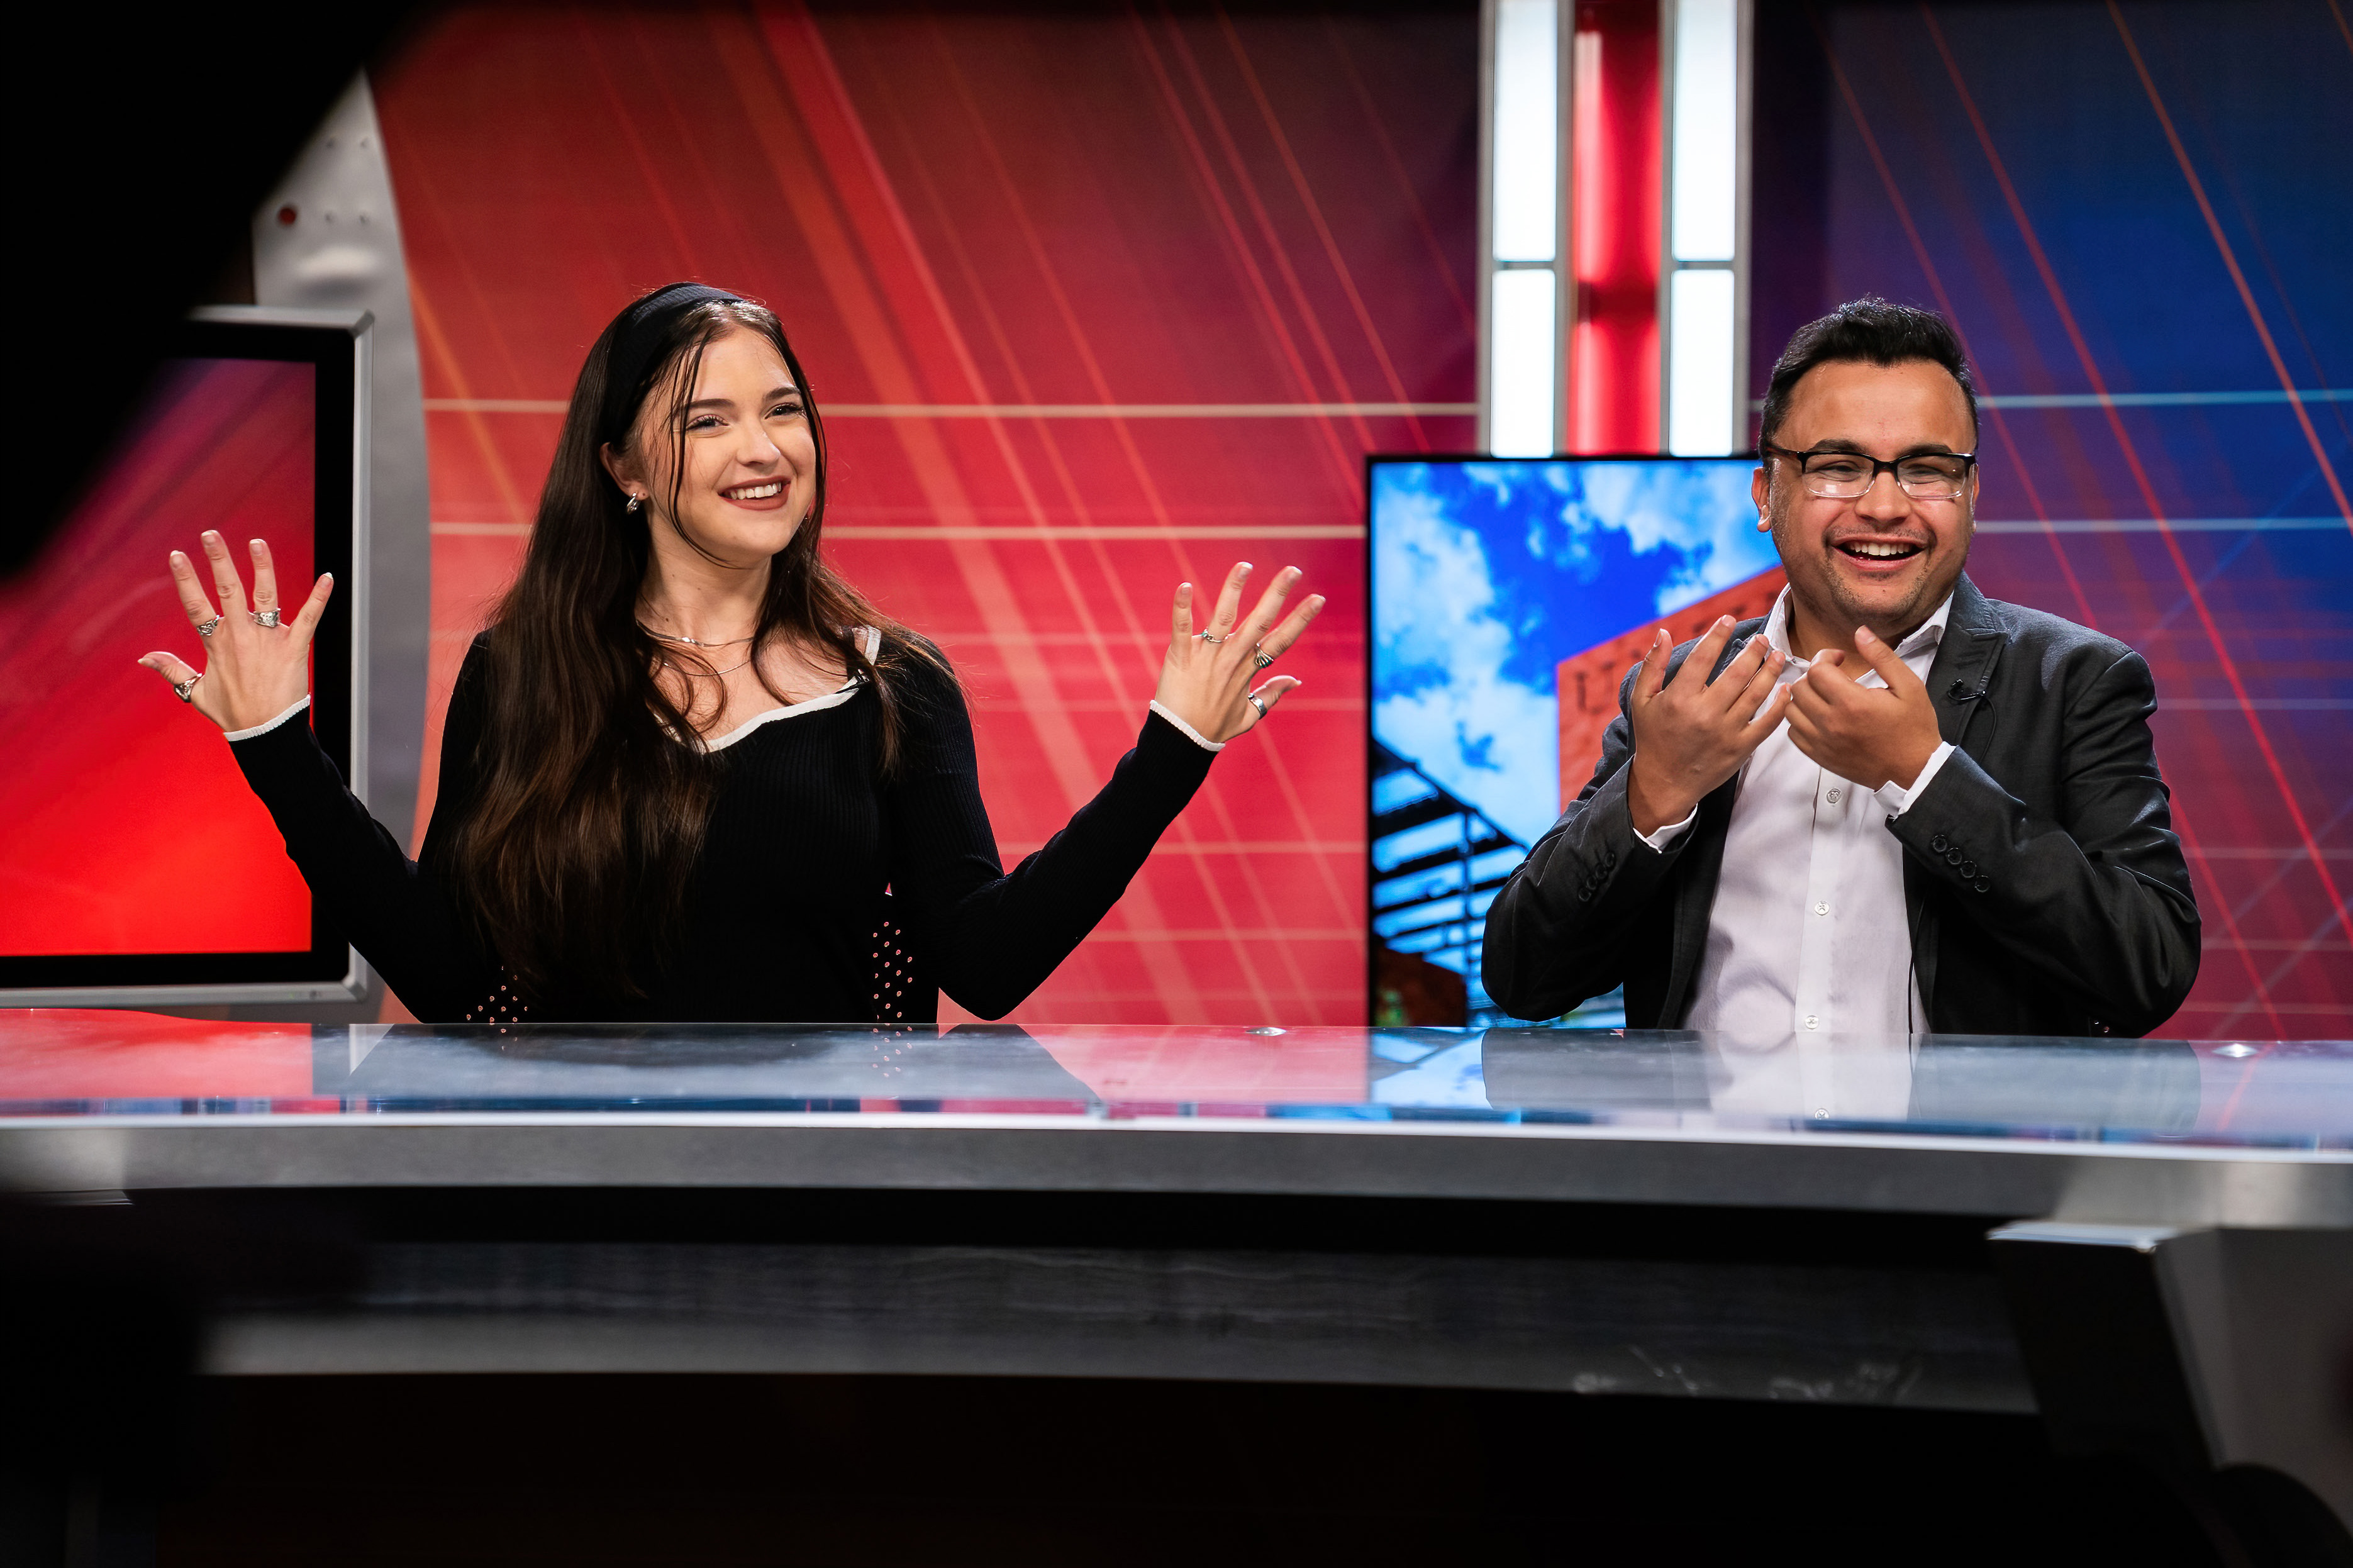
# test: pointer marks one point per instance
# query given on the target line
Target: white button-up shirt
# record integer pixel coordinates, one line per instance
(1809, 934)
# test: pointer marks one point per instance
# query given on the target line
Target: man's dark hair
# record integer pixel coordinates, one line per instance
(1871, 329)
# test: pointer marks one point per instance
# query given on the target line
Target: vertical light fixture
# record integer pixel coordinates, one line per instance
(1705, 303)
(1520, 347)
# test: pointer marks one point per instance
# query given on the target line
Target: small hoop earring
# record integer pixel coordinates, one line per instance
(1763, 523)
(636, 501)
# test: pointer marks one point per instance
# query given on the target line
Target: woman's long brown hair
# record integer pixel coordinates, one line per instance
(573, 858)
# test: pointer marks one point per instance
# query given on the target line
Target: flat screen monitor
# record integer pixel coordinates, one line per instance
(135, 863)
(1509, 598)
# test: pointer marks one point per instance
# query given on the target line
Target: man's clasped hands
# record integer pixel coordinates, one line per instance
(1690, 733)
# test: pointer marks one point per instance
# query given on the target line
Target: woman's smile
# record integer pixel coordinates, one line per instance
(760, 495)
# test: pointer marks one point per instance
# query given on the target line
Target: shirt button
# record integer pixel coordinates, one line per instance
(1832, 797)
(1822, 909)
(1812, 1022)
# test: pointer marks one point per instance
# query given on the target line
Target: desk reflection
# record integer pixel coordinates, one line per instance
(1923, 1082)
(2290, 1093)
(708, 1066)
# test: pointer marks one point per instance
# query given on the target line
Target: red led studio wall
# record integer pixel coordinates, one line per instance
(1096, 299)
(135, 865)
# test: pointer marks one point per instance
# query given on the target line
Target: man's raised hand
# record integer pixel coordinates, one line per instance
(253, 671)
(1871, 735)
(1691, 734)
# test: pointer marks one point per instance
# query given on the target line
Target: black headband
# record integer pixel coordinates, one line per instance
(643, 326)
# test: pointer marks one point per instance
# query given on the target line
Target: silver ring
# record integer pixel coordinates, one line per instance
(263, 618)
(1259, 657)
(208, 628)
(1212, 637)
(185, 689)
(1257, 704)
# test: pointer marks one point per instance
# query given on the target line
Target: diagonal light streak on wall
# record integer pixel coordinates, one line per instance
(2190, 842)
(2230, 264)
(1269, 743)
(2222, 656)
(1314, 210)
(1113, 669)
(795, 48)
(1205, 174)
(1141, 907)
(1407, 195)
(1238, 167)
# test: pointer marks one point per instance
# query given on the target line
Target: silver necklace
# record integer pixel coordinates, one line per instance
(690, 642)
(709, 674)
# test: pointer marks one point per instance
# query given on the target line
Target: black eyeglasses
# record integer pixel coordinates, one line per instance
(1844, 475)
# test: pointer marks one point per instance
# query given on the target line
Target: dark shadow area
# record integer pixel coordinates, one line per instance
(975, 1471)
(134, 204)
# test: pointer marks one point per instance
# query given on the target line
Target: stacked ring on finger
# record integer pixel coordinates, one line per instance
(1259, 657)
(185, 691)
(264, 618)
(206, 628)
(1213, 637)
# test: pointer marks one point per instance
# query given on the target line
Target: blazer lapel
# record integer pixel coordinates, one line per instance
(1962, 671)
(1958, 679)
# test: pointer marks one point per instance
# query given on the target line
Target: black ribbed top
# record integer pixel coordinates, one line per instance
(785, 903)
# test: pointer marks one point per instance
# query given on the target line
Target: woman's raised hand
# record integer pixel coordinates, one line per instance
(255, 668)
(1206, 679)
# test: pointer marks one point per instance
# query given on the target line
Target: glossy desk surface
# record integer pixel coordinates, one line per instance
(2155, 1132)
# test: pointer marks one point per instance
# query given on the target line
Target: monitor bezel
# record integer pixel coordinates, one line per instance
(337, 344)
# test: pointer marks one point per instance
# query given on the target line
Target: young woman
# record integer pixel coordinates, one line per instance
(690, 773)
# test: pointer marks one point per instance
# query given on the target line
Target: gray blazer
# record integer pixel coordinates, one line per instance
(2045, 886)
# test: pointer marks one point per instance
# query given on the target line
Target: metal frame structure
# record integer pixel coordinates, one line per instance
(1672, 24)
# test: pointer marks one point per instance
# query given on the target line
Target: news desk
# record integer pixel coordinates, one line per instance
(2148, 1243)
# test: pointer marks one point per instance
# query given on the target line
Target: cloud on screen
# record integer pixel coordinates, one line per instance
(1699, 515)
(1445, 702)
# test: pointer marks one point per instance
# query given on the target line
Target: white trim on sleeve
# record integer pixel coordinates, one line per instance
(1189, 733)
(265, 729)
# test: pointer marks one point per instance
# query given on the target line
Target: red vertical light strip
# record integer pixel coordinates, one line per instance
(1617, 162)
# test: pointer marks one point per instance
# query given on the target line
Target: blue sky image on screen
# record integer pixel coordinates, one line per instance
(1487, 574)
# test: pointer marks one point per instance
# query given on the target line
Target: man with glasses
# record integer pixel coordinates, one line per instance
(1893, 805)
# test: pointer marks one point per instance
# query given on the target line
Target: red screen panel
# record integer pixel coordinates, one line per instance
(125, 827)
